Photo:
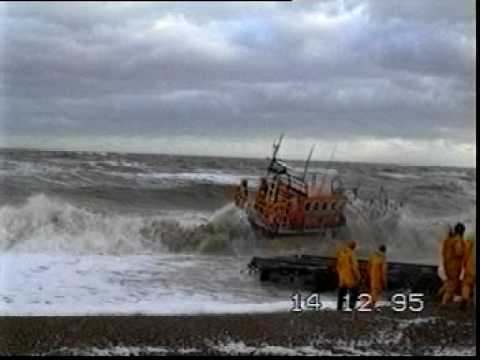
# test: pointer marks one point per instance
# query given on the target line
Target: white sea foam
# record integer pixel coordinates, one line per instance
(448, 351)
(399, 176)
(153, 285)
(119, 163)
(116, 351)
(199, 177)
(452, 173)
(28, 168)
(240, 348)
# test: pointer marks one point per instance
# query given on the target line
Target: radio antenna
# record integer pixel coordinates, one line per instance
(308, 162)
(328, 165)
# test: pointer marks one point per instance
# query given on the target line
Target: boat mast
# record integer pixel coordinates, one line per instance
(276, 147)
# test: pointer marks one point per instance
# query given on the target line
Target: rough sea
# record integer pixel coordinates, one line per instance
(110, 233)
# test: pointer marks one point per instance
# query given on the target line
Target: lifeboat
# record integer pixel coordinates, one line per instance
(288, 203)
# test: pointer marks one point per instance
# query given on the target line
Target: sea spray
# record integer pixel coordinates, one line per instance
(407, 235)
(47, 224)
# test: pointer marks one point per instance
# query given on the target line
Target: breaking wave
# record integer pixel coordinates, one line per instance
(46, 224)
(51, 225)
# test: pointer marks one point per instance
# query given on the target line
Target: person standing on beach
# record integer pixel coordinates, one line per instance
(468, 270)
(453, 256)
(377, 274)
(348, 275)
(441, 268)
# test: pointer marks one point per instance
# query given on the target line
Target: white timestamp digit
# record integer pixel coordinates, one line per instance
(297, 303)
(416, 298)
(313, 302)
(399, 299)
(405, 302)
(365, 302)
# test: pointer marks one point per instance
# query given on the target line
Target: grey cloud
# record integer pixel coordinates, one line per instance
(449, 11)
(337, 69)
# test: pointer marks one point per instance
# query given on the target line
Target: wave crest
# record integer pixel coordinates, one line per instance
(47, 224)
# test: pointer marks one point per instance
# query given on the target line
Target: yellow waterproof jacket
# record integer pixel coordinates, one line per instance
(453, 256)
(347, 268)
(377, 271)
(469, 259)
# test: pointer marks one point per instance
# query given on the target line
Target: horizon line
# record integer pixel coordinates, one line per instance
(3, 148)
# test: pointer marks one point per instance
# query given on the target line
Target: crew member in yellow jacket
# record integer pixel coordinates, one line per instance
(377, 273)
(453, 257)
(468, 270)
(441, 269)
(348, 274)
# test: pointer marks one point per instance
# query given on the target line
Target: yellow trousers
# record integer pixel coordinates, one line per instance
(451, 286)
(375, 293)
(467, 287)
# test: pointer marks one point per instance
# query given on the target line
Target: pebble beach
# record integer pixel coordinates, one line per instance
(435, 331)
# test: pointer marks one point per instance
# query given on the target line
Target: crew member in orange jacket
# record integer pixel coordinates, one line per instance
(453, 256)
(377, 273)
(468, 270)
(241, 194)
(348, 274)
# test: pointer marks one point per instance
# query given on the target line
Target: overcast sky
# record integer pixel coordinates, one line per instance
(383, 81)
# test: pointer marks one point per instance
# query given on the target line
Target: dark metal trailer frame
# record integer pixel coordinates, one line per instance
(318, 273)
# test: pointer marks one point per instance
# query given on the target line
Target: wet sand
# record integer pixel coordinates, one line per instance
(436, 330)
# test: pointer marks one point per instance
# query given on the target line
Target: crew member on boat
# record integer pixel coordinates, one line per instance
(241, 194)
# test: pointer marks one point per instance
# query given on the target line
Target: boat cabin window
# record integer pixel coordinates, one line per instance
(333, 205)
(315, 207)
(324, 207)
(307, 207)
